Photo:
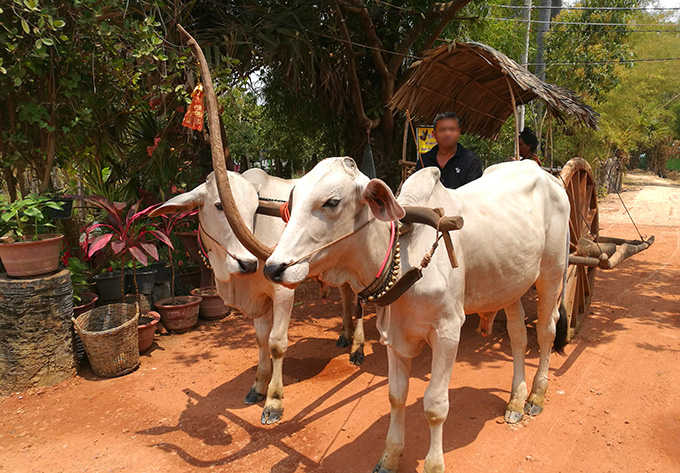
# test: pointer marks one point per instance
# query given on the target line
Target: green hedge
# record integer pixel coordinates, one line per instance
(673, 164)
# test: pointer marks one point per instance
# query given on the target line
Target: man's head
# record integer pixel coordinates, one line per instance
(446, 130)
(528, 143)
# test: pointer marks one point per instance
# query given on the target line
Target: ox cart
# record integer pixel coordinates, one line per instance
(484, 96)
(485, 87)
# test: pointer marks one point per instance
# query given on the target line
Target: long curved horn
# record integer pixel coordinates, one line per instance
(239, 228)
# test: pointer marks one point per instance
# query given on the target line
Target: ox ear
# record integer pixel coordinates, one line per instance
(179, 204)
(382, 202)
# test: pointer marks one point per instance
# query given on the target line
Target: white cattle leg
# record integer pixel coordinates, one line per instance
(518, 343)
(398, 375)
(356, 356)
(263, 326)
(278, 344)
(347, 311)
(545, 331)
(436, 401)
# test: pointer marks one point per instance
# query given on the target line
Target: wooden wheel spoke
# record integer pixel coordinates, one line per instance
(590, 219)
(583, 191)
(590, 190)
(582, 278)
(574, 233)
(576, 202)
(570, 296)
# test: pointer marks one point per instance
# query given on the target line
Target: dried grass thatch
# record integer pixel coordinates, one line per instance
(474, 81)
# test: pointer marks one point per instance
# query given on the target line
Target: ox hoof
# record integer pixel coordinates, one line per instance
(343, 342)
(271, 415)
(357, 357)
(532, 409)
(513, 417)
(379, 469)
(253, 397)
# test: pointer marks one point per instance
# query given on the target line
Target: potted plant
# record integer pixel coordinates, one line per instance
(126, 235)
(178, 313)
(212, 306)
(108, 285)
(26, 247)
(140, 281)
(64, 206)
(83, 300)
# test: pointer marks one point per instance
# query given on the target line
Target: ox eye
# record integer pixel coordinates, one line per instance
(331, 203)
(218, 206)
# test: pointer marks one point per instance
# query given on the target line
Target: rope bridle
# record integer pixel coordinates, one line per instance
(387, 286)
(201, 249)
(327, 245)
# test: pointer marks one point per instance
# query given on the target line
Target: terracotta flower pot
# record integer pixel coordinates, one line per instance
(28, 257)
(180, 316)
(147, 330)
(212, 306)
(189, 280)
(88, 302)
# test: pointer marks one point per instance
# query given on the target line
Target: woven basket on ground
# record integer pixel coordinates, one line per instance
(109, 334)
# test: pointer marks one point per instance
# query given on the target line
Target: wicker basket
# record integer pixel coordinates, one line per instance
(109, 334)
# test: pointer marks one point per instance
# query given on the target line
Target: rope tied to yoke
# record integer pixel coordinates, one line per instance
(284, 210)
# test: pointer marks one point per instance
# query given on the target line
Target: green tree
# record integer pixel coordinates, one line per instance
(63, 65)
(316, 49)
(641, 114)
(584, 57)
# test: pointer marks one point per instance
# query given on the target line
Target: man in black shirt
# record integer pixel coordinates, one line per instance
(457, 164)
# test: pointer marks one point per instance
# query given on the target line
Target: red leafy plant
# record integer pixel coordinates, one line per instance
(124, 233)
(167, 226)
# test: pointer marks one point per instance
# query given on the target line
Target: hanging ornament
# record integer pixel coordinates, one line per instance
(194, 117)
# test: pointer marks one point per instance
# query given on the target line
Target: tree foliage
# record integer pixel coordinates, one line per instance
(65, 65)
(584, 57)
(349, 55)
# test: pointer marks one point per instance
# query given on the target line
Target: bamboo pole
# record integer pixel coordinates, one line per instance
(514, 110)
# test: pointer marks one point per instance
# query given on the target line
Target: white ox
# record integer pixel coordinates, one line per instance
(515, 234)
(240, 283)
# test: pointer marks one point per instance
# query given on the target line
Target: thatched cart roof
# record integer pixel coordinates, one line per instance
(471, 79)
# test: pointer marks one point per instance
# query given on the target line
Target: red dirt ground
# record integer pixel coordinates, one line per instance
(614, 399)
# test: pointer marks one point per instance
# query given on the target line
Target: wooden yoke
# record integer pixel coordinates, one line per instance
(432, 217)
(271, 209)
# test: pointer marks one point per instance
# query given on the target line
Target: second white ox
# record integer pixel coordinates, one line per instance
(515, 234)
(240, 282)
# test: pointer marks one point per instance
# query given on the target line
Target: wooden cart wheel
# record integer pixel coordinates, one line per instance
(577, 178)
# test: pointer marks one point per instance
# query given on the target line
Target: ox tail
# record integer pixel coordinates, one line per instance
(561, 331)
(562, 328)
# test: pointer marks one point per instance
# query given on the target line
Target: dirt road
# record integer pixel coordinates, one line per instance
(614, 399)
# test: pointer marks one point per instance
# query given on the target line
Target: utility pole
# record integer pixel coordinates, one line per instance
(544, 17)
(524, 59)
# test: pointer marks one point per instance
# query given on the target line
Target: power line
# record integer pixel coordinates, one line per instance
(640, 31)
(366, 46)
(516, 7)
(623, 61)
(548, 22)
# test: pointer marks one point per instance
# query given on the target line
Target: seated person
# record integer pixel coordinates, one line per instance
(528, 146)
(457, 164)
